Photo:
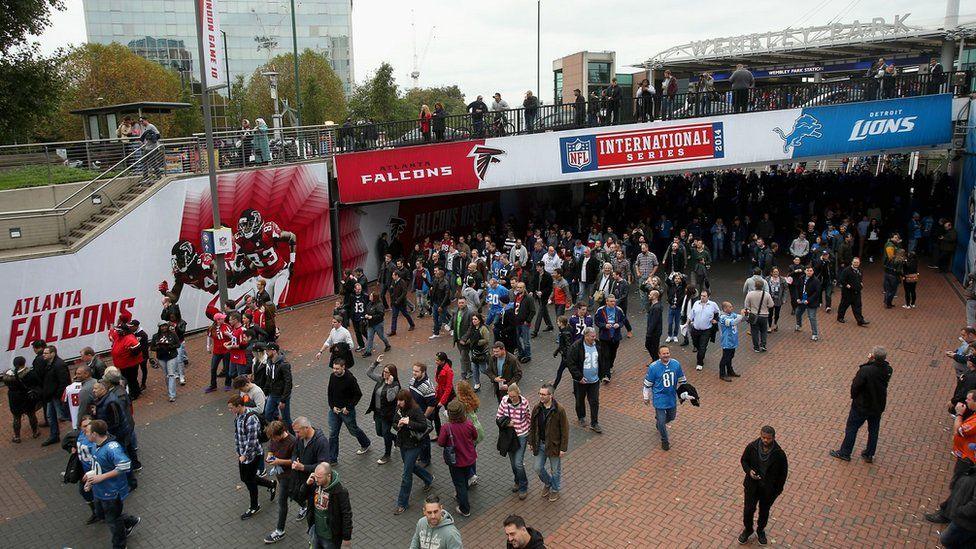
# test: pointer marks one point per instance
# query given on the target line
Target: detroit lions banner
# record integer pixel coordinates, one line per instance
(660, 147)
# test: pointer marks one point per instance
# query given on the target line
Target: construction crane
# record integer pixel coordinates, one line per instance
(418, 62)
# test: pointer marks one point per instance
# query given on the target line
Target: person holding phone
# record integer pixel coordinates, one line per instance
(766, 469)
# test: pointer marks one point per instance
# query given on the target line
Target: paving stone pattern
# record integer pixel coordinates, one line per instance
(619, 488)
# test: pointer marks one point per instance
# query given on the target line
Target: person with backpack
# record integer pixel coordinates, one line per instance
(247, 441)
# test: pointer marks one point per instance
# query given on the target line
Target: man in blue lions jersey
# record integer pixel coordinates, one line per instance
(660, 385)
(107, 481)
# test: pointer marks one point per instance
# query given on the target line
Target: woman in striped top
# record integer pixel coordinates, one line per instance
(516, 408)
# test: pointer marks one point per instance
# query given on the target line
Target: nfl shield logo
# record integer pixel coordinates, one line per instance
(578, 154)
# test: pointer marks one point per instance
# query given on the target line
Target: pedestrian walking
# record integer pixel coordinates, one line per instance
(330, 522)
(436, 529)
(583, 362)
(458, 438)
(281, 446)
(660, 386)
(869, 394)
(766, 468)
(520, 536)
(247, 433)
(728, 323)
(107, 483)
(548, 441)
(411, 428)
(382, 403)
(343, 396)
(516, 408)
(609, 320)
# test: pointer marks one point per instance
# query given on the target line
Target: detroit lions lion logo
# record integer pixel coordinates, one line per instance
(805, 126)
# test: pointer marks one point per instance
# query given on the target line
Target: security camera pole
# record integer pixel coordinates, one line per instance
(206, 17)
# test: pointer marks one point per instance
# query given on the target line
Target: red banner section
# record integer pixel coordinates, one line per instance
(411, 171)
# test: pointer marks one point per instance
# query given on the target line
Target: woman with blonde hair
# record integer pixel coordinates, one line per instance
(425, 117)
(465, 395)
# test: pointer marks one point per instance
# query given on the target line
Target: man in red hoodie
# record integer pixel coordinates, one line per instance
(444, 391)
(126, 353)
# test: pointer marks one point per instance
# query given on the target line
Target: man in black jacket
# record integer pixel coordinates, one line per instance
(344, 395)
(311, 449)
(851, 282)
(279, 383)
(869, 394)
(55, 379)
(440, 297)
(331, 510)
(808, 301)
(766, 469)
(541, 288)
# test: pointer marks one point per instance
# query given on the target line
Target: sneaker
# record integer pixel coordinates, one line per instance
(273, 537)
(699, 367)
(182, 380)
(273, 491)
(472, 480)
(250, 513)
(553, 496)
(596, 428)
(838, 455)
(362, 450)
(761, 538)
(462, 513)
(383, 460)
(302, 511)
(129, 529)
(937, 517)
(744, 537)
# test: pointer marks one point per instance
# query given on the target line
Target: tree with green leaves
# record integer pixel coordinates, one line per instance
(323, 98)
(28, 82)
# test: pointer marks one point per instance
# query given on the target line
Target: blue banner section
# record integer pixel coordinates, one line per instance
(870, 126)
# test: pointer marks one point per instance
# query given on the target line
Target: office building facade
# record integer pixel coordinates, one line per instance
(256, 30)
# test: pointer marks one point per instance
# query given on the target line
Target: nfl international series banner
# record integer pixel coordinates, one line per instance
(645, 149)
(71, 300)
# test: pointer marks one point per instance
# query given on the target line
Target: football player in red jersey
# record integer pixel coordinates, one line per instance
(199, 271)
(261, 245)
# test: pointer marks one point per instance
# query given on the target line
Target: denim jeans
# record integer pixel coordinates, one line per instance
(517, 459)
(397, 312)
(116, 519)
(854, 421)
(459, 477)
(271, 411)
(336, 422)
(383, 431)
(674, 321)
(552, 476)
(663, 416)
(376, 330)
(525, 340)
(215, 360)
(811, 314)
(955, 537)
(410, 468)
(169, 370)
(51, 414)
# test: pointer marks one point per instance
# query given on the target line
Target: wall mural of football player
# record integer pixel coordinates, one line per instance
(260, 247)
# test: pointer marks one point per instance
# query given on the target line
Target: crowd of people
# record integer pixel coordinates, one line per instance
(489, 294)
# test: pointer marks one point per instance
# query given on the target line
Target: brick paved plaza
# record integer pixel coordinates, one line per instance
(619, 488)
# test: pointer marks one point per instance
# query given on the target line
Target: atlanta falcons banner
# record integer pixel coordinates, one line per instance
(660, 147)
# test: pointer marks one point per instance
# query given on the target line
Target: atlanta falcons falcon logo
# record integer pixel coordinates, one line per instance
(484, 157)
